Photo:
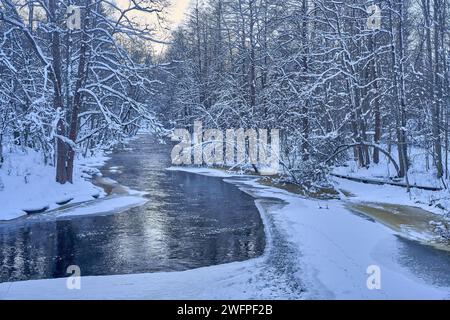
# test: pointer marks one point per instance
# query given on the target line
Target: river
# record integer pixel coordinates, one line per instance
(190, 221)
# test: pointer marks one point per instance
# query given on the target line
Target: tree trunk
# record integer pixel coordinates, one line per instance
(437, 93)
(61, 148)
(81, 77)
(252, 75)
(376, 103)
(1, 151)
(305, 108)
(398, 86)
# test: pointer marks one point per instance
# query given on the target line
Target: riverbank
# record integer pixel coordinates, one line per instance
(437, 202)
(316, 250)
(27, 186)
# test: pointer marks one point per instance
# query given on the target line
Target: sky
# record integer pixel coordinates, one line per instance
(179, 8)
(176, 13)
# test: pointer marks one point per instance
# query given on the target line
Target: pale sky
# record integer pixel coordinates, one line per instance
(179, 8)
(176, 13)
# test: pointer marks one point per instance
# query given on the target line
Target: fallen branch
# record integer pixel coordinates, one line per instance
(383, 182)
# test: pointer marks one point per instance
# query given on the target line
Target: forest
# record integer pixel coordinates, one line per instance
(66, 91)
(314, 69)
(124, 130)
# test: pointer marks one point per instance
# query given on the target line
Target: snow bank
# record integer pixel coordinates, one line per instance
(437, 202)
(335, 248)
(29, 184)
(108, 205)
(202, 171)
(418, 173)
(230, 281)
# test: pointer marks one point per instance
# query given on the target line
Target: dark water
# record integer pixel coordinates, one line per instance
(190, 221)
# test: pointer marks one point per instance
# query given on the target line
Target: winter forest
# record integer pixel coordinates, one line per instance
(64, 91)
(352, 99)
(311, 68)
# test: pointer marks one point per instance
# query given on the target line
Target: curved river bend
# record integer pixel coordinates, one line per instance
(190, 221)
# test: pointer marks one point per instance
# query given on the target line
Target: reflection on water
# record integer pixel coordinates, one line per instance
(190, 221)
(425, 262)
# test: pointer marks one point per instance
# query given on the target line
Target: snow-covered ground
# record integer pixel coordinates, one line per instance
(110, 205)
(362, 192)
(435, 201)
(230, 281)
(418, 172)
(27, 183)
(316, 250)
